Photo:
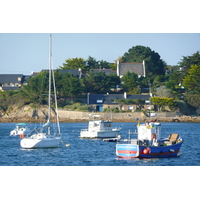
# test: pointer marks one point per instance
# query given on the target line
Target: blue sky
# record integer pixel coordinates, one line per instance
(104, 30)
(27, 52)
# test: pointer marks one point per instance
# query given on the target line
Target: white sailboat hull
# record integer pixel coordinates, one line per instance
(36, 141)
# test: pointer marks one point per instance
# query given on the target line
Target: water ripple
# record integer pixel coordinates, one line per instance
(83, 152)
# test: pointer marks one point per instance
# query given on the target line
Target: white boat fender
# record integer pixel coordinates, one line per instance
(67, 145)
(171, 150)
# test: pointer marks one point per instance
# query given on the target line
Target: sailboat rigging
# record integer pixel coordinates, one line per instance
(43, 138)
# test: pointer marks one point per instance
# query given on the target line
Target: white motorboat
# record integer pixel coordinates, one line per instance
(20, 129)
(43, 136)
(98, 128)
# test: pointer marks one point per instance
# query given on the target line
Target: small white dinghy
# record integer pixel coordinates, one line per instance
(43, 137)
(20, 129)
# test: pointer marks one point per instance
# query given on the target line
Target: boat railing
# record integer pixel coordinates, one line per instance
(129, 141)
(84, 129)
(134, 141)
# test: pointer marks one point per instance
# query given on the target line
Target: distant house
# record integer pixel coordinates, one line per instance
(106, 71)
(12, 81)
(123, 68)
(137, 68)
(74, 72)
(99, 102)
(34, 73)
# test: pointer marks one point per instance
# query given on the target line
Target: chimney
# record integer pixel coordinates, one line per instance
(88, 98)
(80, 74)
(125, 95)
(143, 63)
(117, 67)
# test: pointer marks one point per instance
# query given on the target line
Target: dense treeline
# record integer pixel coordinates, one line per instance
(180, 83)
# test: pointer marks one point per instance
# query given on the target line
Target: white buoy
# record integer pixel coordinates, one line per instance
(67, 145)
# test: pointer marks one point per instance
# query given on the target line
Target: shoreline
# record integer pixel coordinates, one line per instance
(162, 119)
(30, 115)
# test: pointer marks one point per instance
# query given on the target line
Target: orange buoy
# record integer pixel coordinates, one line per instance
(22, 136)
(146, 151)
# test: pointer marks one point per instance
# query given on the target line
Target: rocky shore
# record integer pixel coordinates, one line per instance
(31, 115)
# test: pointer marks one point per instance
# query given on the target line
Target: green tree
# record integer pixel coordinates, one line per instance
(104, 64)
(114, 80)
(192, 80)
(162, 101)
(162, 91)
(193, 100)
(36, 89)
(188, 61)
(113, 66)
(75, 63)
(9, 98)
(154, 64)
(69, 85)
(99, 82)
(92, 63)
(130, 82)
(175, 80)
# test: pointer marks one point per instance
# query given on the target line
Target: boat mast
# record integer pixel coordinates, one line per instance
(50, 69)
(54, 89)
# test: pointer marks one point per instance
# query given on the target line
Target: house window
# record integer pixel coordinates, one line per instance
(100, 101)
(130, 107)
(19, 79)
(112, 100)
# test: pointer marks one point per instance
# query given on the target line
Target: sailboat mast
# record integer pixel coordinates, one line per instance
(50, 69)
(51, 74)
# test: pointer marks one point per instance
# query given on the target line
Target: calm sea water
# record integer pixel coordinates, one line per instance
(87, 152)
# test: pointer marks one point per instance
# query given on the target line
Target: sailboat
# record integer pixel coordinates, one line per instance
(43, 137)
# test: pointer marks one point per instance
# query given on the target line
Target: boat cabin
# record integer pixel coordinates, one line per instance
(100, 125)
(149, 132)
